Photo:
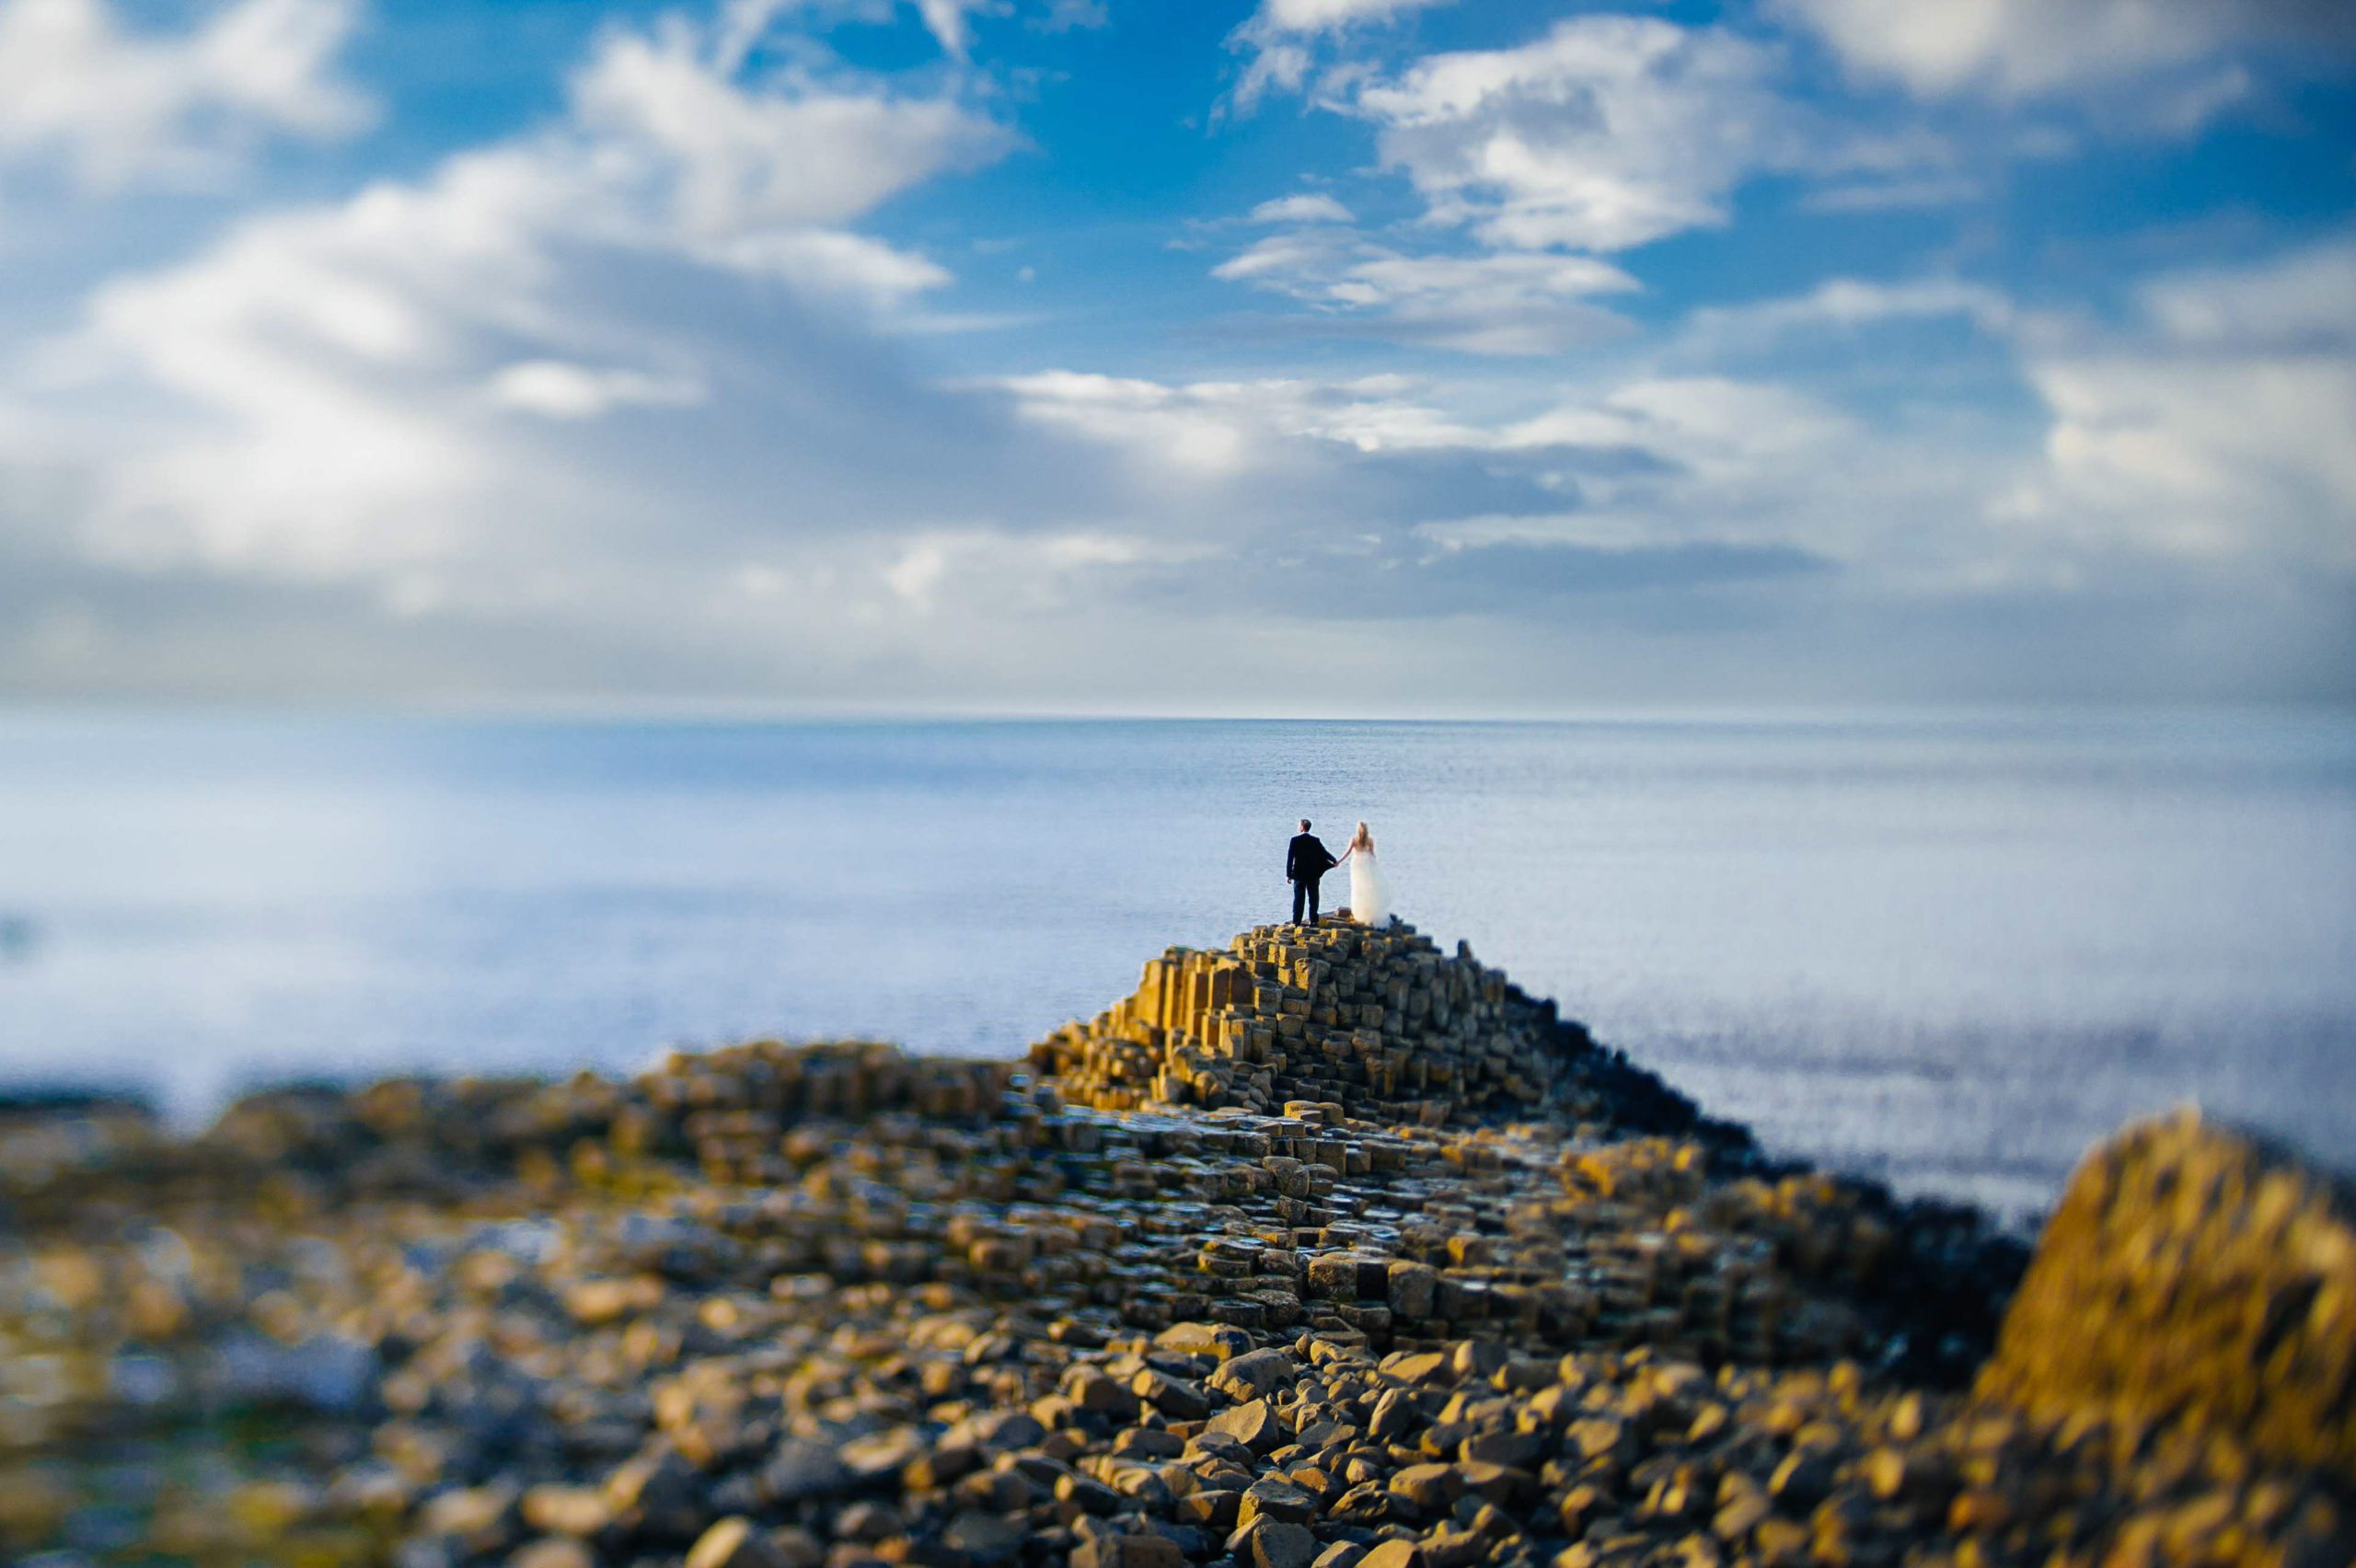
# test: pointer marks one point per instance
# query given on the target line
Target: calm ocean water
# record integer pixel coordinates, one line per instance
(1945, 951)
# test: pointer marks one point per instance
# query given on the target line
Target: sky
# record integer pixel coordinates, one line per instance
(1310, 356)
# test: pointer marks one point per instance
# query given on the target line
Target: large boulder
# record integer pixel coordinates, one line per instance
(2195, 1275)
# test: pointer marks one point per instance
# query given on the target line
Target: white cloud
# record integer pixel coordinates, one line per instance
(850, 266)
(2018, 49)
(1281, 36)
(2222, 429)
(608, 407)
(1848, 304)
(1715, 422)
(1518, 303)
(745, 24)
(564, 391)
(1324, 16)
(730, 162)
(295, 402)
(916, 573)
(1676, 478)
(115, 106)
(1191, 430)
(1072, 15)
(1309, 208)
(1697, 429)
(945, 19)
(1606, 132)
(2305, 299)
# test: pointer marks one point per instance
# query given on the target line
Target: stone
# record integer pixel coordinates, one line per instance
(1128, 1552)
(1883, 1470)
(567, 1510)
(1392, 1554)
(798, 1547)
(1411, 1288)
(552, 1551)
(936, 1467)
(1578, 1507)
(1276, 1544)
(1493, 1482)
(1090, 1389)
(734, 1542)
(1255, 1425)
(1393, 1415)
(1499, 1448)
(882, 1454)
(658, 1493)
(1368, 1503)
(867, 1521)
(1452, 1548)
(1146, 1442)
(1476, 1360)
(1174, 1396)
(1431, 1488)
(1325, 1435)
(1255, 1374)
(1269, 1497)
(1802, 1480)
(1737, 1517)
(2233, 1315)
(997, 1432)
(801, 1468)
(480, 1517)
(1598, 1435)
(985, 1538)
(1780, 1541)
(1215, 1508)
(1422, 1368)
(1215, 1442)
(1208, 1339)
(1086, 1491)
(1488, 1281)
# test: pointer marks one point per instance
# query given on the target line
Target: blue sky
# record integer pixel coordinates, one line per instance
(1311, 356)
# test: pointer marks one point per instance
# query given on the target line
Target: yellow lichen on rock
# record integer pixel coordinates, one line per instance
(2194, 1277)
(1378, 1025)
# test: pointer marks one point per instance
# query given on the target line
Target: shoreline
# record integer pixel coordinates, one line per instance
(1325, 1248)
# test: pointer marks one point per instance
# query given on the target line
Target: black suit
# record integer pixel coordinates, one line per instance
(1305, 862)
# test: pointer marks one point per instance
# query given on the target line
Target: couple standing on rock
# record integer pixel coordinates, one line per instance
(1309, 860)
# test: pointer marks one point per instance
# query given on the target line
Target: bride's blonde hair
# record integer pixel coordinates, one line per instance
(1363, 836)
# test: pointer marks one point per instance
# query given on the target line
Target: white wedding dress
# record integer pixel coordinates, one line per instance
(1370, 892)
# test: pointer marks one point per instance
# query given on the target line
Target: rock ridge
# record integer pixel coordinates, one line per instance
(1325, 1249)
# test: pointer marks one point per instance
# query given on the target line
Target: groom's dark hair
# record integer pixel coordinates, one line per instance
(1304, 824)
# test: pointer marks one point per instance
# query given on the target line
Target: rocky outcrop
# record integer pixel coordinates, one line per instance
(1373, 1024)
(1322, 1250)
(2198, 1281)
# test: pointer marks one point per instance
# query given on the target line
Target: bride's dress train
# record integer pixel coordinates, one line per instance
(1370, 892)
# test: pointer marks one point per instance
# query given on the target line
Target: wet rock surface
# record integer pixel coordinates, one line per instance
(1324, 1250)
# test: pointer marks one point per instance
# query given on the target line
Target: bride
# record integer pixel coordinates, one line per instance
(1369, 893)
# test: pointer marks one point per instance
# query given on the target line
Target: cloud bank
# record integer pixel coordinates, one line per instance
(667, 399)
(115, 106)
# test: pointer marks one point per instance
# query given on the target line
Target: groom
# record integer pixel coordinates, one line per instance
(1304, 863)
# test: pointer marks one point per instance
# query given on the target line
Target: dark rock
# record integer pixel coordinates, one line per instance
(1255, 1374)
(801, 1470)
(1255, 1425)
(733, 1543)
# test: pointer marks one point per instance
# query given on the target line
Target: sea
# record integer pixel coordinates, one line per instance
(1944, 950)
